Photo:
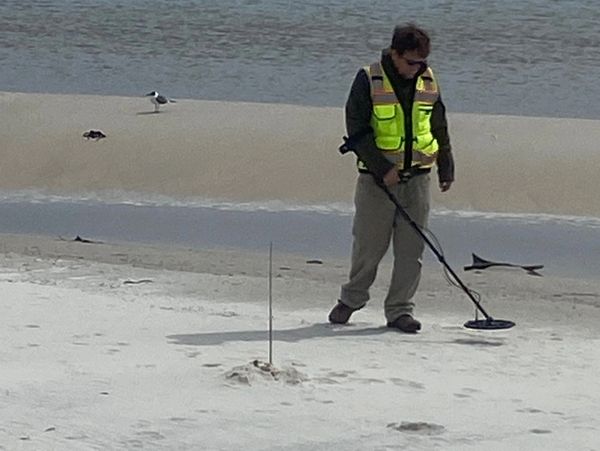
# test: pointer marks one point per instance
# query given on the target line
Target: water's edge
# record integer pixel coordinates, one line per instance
(567, 246)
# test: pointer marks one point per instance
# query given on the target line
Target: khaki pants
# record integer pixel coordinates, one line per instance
(375, 225)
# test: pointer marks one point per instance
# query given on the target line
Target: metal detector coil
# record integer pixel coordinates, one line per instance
(489, 324)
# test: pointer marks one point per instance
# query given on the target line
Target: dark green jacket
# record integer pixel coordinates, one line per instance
(359, 108)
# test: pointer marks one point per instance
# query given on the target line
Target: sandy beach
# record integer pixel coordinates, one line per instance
(250, 152)
(134, 268)
(115, 345)
(109, 346)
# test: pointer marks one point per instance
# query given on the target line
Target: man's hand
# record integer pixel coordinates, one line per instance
(392, 177)
(445, 186)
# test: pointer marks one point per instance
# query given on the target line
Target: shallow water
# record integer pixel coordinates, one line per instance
(528, 57)
(566, 246)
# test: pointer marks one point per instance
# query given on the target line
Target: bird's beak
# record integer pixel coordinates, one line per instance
(149, 94)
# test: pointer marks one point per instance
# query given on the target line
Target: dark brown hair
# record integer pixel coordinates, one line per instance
(410, 37)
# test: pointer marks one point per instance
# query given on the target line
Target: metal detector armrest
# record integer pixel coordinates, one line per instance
(350, 142)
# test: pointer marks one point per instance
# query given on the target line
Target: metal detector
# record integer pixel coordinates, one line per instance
(488, 323)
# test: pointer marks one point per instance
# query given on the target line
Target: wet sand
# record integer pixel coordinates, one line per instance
(241, 152)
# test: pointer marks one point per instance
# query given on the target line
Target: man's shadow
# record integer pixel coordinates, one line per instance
(322, 330)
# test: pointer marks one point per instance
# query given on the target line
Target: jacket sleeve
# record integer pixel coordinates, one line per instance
(439, 129)
(359, 107)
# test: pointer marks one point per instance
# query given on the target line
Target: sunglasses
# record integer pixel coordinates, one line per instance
(415, 62)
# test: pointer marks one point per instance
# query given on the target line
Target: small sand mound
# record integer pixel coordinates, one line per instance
(257, 371)
(418, 428)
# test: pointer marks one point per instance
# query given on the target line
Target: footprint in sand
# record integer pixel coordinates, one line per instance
(150, 435)
(325, 380)
(421, 428)
(298, 364)
(407, 383)
(142, 424)
(340, 373)
(373, 366)
(540, 431)
(367, 380)
(145, 365)
(76, 437)
(467, 392)
(530, 410)
(471, 390)
(181, 419)
(133, 444)
(226, 314)
(207, 411)
(321, 401)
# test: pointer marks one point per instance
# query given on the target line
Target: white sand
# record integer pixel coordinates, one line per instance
(90, 361)
(256, 152)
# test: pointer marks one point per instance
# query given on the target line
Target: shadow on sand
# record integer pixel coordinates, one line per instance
(323, 330)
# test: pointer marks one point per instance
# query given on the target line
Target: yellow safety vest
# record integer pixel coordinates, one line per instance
(387, 119)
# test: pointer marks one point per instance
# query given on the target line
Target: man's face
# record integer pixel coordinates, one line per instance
(408, 64)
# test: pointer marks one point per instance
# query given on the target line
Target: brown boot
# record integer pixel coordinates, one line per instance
(405, 323)
(341, 313)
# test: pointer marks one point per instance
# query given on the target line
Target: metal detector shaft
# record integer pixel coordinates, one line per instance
(440, 257)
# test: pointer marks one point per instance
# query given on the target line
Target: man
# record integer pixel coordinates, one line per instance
(397, 126)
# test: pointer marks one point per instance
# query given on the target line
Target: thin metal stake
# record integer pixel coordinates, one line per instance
(271, 303)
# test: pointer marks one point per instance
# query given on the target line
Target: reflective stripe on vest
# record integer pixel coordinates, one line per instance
(387, 119)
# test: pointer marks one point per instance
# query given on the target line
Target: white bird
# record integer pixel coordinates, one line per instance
(158, 100)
